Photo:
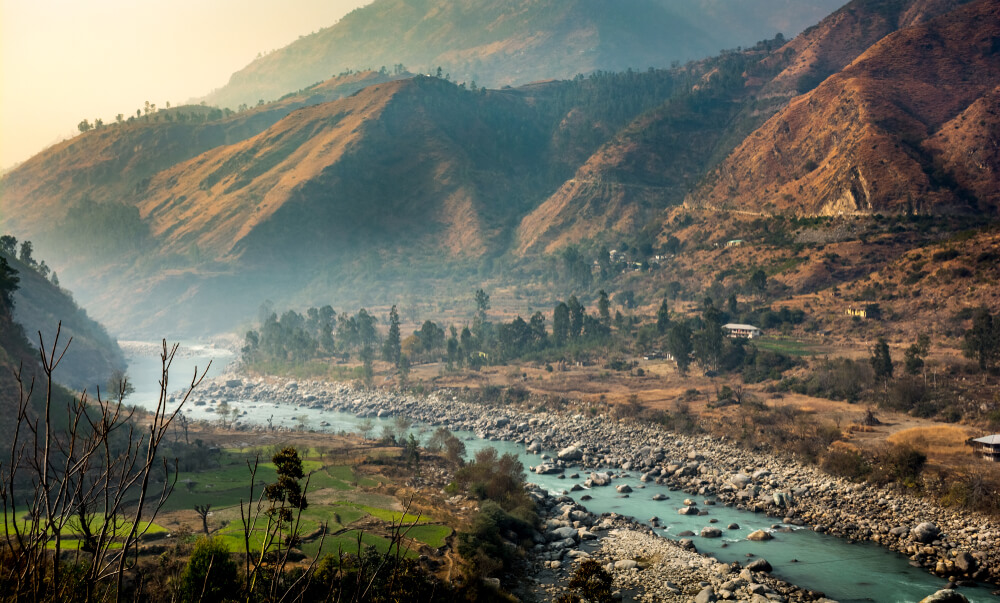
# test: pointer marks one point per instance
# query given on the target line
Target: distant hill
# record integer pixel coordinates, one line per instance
(888, 133)
(511, 42)
(114, 165)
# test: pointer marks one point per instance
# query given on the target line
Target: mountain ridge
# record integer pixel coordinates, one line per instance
(516, 41)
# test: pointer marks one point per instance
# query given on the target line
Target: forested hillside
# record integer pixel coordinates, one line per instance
(37, 305)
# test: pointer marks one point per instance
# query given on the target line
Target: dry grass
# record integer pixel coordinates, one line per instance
(934, 440)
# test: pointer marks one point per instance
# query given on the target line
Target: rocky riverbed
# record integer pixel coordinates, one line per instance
(644, 566)
(958, 545)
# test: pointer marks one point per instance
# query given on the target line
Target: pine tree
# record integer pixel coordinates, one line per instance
(604, 307)
(663, 318)
(679, 344)
(982, 341)
(560, 324)
(881, 362)
(392, 348)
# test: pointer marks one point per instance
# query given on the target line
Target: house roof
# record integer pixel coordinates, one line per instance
(738, 327)
(991, 439)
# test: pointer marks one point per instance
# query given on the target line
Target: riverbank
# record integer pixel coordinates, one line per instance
(957, 545)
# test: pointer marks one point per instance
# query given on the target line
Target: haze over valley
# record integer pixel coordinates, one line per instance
(746, 251)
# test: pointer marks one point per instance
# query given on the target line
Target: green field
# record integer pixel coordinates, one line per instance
(433, 536)
(71, 533)
(336, 500)
(790, 347)
(347, 542)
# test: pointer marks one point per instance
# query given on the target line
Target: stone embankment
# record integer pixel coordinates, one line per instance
(959, 545)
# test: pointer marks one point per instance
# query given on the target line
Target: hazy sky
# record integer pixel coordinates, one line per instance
(65, 60)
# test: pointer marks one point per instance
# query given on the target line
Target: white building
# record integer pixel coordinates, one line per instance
(736, 330)
(988, 447)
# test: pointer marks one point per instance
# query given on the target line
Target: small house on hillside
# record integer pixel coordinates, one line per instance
(987, 447)
(736, 331)
(859, 312)
(734, 243)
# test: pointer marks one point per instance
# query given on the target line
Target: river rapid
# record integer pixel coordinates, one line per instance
(821, 562)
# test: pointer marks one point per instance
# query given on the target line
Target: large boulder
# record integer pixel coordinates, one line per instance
(597, 479)
(759, 565)
(564, 533)
(711, 532)
(760, 536)
(570, 453)
(740, 480)
(624, 489)
(782, 499)
(688, 511)
(707, 595)
(945, 596)
(625, 564)
(965, 563)
(925, 532)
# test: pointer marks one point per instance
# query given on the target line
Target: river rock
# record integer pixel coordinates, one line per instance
(760, 536)
(688, 511)
(626, 564)
(707, 595)
(659, 496)
(965, 563)
(597, 479)
(624, 489)
(759, 565)
(563, 533)
(711, 532)
(925, 532)
(945, 596)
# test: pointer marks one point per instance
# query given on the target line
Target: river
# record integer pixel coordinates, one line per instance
(846, 572)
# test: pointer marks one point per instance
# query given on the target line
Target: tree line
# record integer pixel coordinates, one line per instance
(570, 332)
(26, 256)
